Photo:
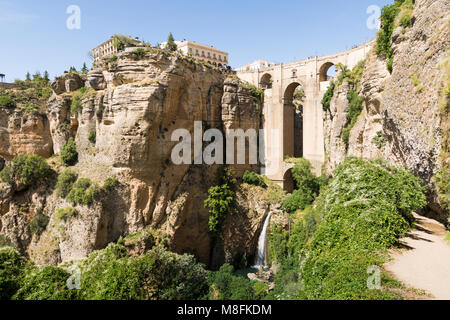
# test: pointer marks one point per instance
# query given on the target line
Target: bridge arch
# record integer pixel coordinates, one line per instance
(288, 181)
(266, 81)
(323, 71)
(293, 101)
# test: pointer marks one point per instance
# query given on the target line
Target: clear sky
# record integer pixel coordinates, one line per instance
(34, 36)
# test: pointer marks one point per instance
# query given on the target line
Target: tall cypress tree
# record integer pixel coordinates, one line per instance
(171, 45)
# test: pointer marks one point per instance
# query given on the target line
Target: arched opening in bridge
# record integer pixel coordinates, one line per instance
(288, 182)
(327, 72)
(266, 81)
(294, 99)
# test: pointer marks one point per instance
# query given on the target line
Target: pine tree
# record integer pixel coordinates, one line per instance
(84, 69)
(28, 77)
(171, 45)
(46, 76)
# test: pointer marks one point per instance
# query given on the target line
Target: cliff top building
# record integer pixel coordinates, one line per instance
(257, 65)
(108, 48)
(202, 52)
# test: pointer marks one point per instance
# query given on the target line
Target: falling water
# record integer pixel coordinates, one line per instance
(260, 260)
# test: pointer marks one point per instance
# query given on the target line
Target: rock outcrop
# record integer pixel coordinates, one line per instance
(132, 107)
(404, 117)
(24, 132)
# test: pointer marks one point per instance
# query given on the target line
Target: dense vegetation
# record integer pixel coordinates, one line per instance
(355, 107)
(33, 93)
(399, 13)
(365, 208)
(307, 186)
(254, 179)
(26, 170)
(220, 201)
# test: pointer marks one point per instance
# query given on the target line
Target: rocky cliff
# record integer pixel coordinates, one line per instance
(131, 105)
(405, 115)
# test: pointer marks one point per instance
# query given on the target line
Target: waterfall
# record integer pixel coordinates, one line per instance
(260, 259)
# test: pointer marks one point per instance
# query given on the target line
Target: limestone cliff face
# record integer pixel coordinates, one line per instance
(402, 120)
(132, 106)
(24, 132)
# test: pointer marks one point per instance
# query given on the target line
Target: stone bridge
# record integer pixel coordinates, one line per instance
(296, 131)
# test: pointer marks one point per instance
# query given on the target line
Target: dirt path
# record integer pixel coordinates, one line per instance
(424, 260)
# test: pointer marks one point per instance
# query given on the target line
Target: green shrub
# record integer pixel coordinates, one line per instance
(226, 286)
(69, 153)
(110, 184)
(65, 182)
(388, 23)
(83, 192)
(219, 204)
(298, 200)
(326, 100)
(7, 102)
(406, 20)
(220, 201)
(47, 283)
(304, 178)
(139, 53)
(27, 170)
(254, 179)
(66, 214)
(39, 223)
(76, 106)
(12, 267)
(111, 274)
(355, 107)
(256, 93)
(379, 140)
(92, 137)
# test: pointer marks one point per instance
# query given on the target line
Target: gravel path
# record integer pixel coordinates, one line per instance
(424, 260)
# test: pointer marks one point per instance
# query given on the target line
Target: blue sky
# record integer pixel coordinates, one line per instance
(34, 36)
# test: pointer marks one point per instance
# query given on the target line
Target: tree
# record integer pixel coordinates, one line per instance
(28, 77)
(46, 76)
(69, 154)
(171, 45)
(84, 69)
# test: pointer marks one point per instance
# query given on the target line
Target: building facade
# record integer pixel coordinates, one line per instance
(107, 48)
(203, 52)
(257, 65)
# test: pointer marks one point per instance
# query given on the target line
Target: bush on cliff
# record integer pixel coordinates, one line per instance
(65, 182)
(254, 179)
(69, 153)
(46, 283)
(83, 192)
(111, 274)
(12, 267)
(224, 285)
(220, 201)
(26, 170)
(7, 102)
(307, 186)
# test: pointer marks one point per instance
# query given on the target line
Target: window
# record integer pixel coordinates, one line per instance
(220, 58)
(209, 55)
(203, 53)
(215, 56)
(196, 52)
